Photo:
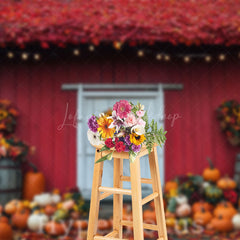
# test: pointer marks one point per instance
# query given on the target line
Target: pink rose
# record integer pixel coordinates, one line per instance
(130, 120)
(141, 122)
(140, 113)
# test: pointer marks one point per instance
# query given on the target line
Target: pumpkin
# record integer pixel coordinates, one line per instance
(213, 194)
(170, 222)
(6, 232)
(80, 224)
(43, 199)
(50, 209)
(226, 183)
(211, 173)
(149, 215)
(12, 206)
(33, 183)
(103, 224)
(202, 217)
(236, 221)
(198, 206)
(226, 211)
(183, 210)
(54, 228)
(20, 219)
(68, 204)
(3, 219)
(170, 185)
(221, 224)
(37, 221)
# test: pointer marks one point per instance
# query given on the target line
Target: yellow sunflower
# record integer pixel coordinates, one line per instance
(137, 139)
(104, 130)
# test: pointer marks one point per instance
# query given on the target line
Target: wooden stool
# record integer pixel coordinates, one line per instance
(99, 192)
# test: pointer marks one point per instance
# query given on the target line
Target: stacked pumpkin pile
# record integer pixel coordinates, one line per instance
(198, 204)
(48, 215)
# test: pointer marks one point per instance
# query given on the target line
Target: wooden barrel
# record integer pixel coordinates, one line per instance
(10, 180)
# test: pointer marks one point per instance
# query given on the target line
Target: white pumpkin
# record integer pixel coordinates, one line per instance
(236, 221)
(43, 199)
(56, 198)
(36, 222)
(205, 184)
(183, 210)
(181, 199)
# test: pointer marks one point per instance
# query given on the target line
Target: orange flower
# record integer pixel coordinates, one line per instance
(104, 130)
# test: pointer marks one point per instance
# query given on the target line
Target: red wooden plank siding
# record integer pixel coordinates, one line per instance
(36, 90)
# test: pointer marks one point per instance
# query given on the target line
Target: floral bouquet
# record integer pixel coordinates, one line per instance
(228, 114)
(13, 148)
(126, 129)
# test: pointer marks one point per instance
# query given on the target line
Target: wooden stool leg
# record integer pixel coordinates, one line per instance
(136, 199)
(159, 207)
(117, 198)
(95, 198)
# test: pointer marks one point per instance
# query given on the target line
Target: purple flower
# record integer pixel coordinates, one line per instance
(127, 140)
(92, 124)
(126, 148)
(136, 148)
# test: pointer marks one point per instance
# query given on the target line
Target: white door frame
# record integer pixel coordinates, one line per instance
(115, 90)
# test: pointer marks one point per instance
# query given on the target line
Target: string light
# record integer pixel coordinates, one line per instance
(222, 57)
(24, 56)
(91, 48)
(76, 52)
(208, 58)
(186, 59)
(159, 56)
(167, 58)
(10, 55)
(36, 56)
(117, 45)
(140, 53)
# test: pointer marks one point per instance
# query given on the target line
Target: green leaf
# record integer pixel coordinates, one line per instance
(132, 156)
(104, 148)
(106, 157)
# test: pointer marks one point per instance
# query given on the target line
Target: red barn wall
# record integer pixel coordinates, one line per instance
(36, 90)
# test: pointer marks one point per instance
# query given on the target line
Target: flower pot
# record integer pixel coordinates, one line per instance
(10, 180)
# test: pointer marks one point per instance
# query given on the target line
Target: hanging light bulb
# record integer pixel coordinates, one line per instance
(91, 48)
(167, 58)
(117, 45)
(208, 58)
(159, 56)
(76, 52)
(187, 59)
(222, 57)
(140, 53)
(10, 55)
(24, 56)
(36, 56)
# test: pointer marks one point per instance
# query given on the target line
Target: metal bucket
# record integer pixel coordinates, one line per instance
(10, 180)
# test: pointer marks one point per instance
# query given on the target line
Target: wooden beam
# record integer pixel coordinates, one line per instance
(115, 190)
(105, 195)
(107, 238)
(143, 180)
(145, 225)
(149, 198)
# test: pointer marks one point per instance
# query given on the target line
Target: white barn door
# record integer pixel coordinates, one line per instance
(98, 100)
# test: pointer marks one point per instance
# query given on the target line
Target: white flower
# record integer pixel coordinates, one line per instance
(94, 138)
(138, 129)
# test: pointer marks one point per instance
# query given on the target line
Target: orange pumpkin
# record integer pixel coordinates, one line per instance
(50, 209)
(54, 228)
(80, 224)
(20, 218)
(221, 224)
(202, 217)
(103, 224)
(6, 232)
(226, 183)
(170, 185)
(211, 173)
(33, 183)
(13, 206)
(225, 211)
(198, 206)
(149, 215)
(3, 219)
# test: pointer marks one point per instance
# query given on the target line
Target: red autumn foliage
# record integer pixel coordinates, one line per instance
(80, 21)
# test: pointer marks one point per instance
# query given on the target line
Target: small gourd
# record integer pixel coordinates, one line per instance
(236, 221)
(183, 210)
(37, 221)
(211, 173)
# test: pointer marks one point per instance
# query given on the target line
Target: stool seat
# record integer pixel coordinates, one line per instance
(100, 192)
